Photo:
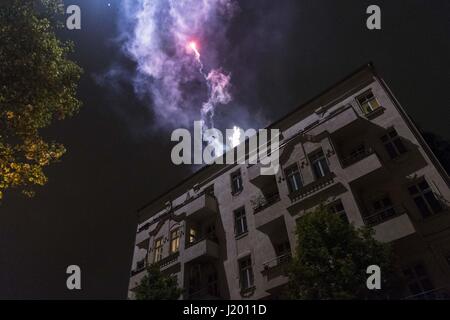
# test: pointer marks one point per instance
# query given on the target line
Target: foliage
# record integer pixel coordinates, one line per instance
(332, 257)
(157, 286)
(38, 85)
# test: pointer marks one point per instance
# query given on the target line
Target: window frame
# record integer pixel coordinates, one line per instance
(158, 254)
(319, 157)
(246, 273)
(422, 193)
(392, 143)
(291, 172)
(240, 218)
(238, 176)
(363, 100)
(172, 238)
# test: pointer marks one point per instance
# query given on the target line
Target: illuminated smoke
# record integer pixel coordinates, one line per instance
(158, 35)
(235, 138)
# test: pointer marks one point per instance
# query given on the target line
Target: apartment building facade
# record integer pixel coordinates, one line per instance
(227, 231)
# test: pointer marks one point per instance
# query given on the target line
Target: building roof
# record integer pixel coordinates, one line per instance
(326, 97)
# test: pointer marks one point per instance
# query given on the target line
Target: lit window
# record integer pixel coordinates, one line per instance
(246, 273)
(393, 144)
(293, 178)
(319, 164)
(240, 221)
(236, 182)
(192, 235)
(368, 102)
(158, 249)
(425, 199)
(175, 236)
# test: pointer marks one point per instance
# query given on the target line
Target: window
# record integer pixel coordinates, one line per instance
(383, 208)
(140, 264)
(368, 102)
(338, 208)
(425, 199)
(192, 234)
(158, 249)
(195, 273)
(293, 178)
(246, 273)
(175, 236)
(393, 144)
(213, 287)
(417, 279)
(240, 221)
(319, 165)
(236, 182)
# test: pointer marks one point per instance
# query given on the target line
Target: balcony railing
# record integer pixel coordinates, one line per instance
(209, 236)
(312, 188)
(435, 294)
(266, 202)
(383, 215)
(279, 260)
(357, 156)
(170, 259)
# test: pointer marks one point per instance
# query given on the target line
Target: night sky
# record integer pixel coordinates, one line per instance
(280, 53)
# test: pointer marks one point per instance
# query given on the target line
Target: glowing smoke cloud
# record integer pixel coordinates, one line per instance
(162, 37)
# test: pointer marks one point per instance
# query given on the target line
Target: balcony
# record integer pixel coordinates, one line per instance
(335, 121)
(265, 202)
(200, 207)
(203, 249)
(168, 261)
(255, 176)
(360, 165)
(275, 271)
(142, 236)
(390, 223)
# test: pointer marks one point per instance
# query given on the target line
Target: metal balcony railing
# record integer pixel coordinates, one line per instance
(277, 261)
(209, 236)
(383, 215)
(312, 187)
(170, 259)
(266, 202)
(357, 156)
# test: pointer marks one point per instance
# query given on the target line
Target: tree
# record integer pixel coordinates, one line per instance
(38, 85)
(157, 286)
(332, 257)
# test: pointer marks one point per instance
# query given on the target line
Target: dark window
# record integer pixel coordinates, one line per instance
(195, 279)
(236, 182)
(293, 178)
(240, 221)
(246, 273)
(425, 199)
(417, 279)
(338, 208)
(140, 264)
(393, 144)
(213, 287)
(368, 102)
(319, 164)
(383, 207)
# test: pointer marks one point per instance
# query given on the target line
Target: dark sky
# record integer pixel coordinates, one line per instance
(280, 54)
